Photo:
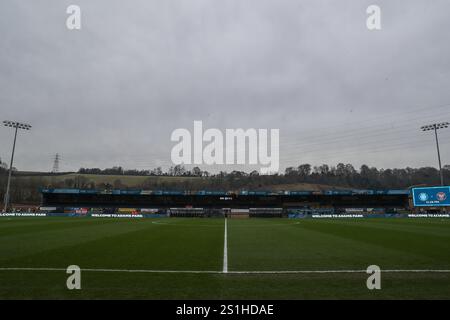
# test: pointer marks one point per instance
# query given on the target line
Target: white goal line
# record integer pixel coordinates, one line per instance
(233, 272)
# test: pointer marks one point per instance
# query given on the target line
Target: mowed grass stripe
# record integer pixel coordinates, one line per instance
(320, 245)
(147, 245)
(403, 225)
(49, 225)
(433, 248)
(43, 239)
(97, 285)
(286, 247)
(11, 223)
(347, 253)
(282, 247)
(414, 248)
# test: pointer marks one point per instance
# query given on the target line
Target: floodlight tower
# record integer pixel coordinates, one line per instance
(16, 126)
(436, 127)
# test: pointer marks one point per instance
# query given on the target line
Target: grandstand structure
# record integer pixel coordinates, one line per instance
(229, 204)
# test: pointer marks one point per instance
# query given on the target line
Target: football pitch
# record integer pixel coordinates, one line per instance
(183, 258)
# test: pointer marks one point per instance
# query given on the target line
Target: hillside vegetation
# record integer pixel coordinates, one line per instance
(25, 188)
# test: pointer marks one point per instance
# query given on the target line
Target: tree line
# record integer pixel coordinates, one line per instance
(340, 175)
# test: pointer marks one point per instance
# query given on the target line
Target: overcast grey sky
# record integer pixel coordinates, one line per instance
(112, 92)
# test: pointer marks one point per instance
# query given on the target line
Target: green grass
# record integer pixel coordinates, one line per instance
(197, 244)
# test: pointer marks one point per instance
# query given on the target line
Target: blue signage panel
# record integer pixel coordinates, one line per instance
(431, 197)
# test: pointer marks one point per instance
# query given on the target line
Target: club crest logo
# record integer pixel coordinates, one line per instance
(441, 196)
(423, 196)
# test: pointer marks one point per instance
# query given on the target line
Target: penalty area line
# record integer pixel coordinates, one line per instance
(232, 272)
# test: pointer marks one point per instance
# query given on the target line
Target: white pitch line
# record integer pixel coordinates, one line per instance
(225, 249)
(113, 270)
(337, 271)
(232, 272)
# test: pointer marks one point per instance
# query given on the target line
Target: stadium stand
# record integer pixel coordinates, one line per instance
(215, 203)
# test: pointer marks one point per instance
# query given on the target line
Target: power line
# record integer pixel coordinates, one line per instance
(56, 164)
(366, 131)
